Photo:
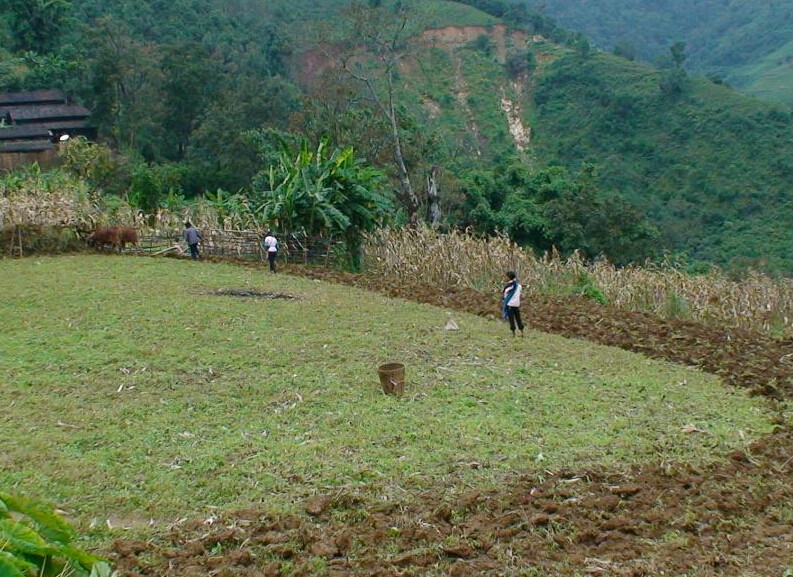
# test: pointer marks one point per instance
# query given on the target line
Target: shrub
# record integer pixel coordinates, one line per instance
(36, 541)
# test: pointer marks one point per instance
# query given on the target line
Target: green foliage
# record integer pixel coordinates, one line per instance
(323, 192)
(552, 208)
(36, 24)
(484, 44)
(93, 162)
(710, 168)
(744, 42)
(36, 542)
(154, 185)
(586, 287)
(188, 90)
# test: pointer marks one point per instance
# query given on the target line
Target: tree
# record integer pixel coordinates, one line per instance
(124, 89)
(554, 208)
(379, 46)
(324, 192)
(678, 54)
(188, 89)
(36, 24)
(674, 78)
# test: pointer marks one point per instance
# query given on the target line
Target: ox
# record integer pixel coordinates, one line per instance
(128, 234)
(103, 236)
(115, 236)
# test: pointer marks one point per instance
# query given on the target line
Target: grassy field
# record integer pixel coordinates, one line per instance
(130, 393)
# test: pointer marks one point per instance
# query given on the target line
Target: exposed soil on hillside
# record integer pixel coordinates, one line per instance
(732, 517)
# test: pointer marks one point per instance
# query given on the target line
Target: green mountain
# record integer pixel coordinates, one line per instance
(530, 130)
(748, 43)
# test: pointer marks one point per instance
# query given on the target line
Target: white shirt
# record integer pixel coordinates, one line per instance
(271, 244)
(515, 300)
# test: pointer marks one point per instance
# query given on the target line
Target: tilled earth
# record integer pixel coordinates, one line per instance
(733, 517)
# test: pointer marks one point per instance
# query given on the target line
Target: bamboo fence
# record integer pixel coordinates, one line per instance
(296, 247)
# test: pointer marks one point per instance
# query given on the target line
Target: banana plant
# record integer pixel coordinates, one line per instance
(37, 542)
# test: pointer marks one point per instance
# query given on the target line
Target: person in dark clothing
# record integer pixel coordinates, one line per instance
(192, 237)
(511, 302)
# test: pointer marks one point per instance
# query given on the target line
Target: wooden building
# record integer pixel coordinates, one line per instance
(33, 124)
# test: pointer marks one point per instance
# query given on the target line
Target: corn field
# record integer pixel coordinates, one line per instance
(57, 199)
(463, 259)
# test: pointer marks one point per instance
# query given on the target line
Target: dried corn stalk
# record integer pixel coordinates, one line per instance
(465, 259)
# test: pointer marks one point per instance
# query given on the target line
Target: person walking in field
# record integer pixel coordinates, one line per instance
(270, 244)
(510, 303)
(192, 237)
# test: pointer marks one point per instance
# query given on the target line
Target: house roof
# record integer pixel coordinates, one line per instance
(67, 125)
(49, 112)
(28, 131)
(25, 146)
(34, 97)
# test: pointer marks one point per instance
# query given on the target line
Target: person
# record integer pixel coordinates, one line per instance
(511, 302)
(270, 244)
(192, 237)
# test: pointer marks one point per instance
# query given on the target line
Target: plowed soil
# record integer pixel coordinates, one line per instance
(733, 517)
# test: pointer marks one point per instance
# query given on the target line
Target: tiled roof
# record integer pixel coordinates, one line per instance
(48, 112)
(24, 132)
(25, 146)
(34, 97)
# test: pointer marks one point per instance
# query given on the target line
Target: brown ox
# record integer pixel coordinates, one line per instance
(105, 235)
(129, 234)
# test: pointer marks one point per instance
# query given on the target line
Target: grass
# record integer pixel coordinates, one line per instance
(131, 394)
(769, 78)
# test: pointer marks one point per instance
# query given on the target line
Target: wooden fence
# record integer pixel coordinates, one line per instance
(246, 244)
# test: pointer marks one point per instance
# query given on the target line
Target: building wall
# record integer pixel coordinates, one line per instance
(12, 160)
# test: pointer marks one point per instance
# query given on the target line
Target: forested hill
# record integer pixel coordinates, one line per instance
(748, 43)
(526, 126)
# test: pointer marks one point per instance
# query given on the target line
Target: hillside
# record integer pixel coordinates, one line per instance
(745, 42)
(153, 402)
(712, 168)
(530, 130)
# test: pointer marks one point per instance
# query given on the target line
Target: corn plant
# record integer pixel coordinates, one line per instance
(460, 258)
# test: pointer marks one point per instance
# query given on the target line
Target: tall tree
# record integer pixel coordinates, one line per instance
(377, 48)
(188, 89)
(37, 24)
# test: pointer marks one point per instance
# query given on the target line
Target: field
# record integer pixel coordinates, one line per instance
(188, 432)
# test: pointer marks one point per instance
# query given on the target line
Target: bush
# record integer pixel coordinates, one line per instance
(22, 240)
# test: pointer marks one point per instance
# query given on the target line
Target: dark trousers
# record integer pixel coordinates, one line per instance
(513, 314)
(193, 251)
(271, 259)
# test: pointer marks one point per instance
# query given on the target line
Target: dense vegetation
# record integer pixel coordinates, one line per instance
(746, 42)
(197, 99)
(712, 169)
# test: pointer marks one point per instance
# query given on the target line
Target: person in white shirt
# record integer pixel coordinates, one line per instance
(511, 302)
(270, 244)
